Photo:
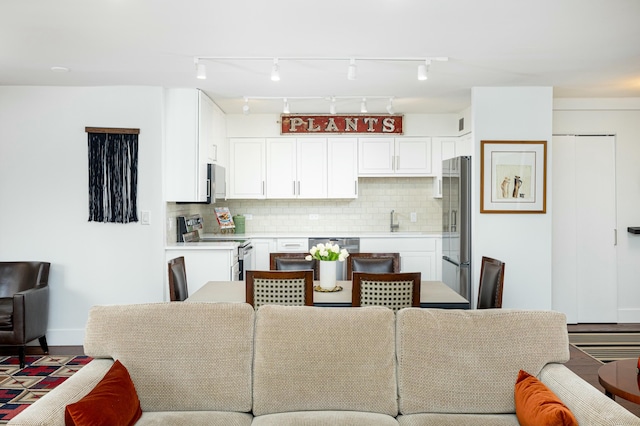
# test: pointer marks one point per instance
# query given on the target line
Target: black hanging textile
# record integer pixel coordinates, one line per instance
(113, 177)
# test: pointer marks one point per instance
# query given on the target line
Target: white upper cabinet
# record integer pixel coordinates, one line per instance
(444, 149)
(247, 177)
(296, 168)
(406, 156)
(342, 176)
(189, 118)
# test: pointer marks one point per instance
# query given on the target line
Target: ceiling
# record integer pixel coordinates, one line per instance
(580, 48)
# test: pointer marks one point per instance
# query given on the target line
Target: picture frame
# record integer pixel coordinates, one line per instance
(513, 177)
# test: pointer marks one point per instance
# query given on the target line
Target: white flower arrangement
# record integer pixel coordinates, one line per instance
(327, 251)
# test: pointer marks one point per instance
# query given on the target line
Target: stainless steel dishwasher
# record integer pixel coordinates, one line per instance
(351, 244)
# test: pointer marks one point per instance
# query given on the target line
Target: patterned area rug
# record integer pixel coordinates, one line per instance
(21, 387)
(608, 347)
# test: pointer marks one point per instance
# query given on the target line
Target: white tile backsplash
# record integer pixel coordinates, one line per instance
(370, 212)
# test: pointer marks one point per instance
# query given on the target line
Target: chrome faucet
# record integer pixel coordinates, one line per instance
(393, 226)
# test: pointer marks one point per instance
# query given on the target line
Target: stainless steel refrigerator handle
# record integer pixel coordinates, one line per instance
(448, 259)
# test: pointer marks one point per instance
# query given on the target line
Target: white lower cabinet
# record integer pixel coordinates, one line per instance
(417, 254)
(203, 265)
(262, 247)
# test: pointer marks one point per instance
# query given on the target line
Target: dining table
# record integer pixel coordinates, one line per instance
(433, 294)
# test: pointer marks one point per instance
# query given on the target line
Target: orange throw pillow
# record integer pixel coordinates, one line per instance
(537, 405)
(112, 402)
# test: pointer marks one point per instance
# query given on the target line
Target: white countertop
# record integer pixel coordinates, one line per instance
(205, 245)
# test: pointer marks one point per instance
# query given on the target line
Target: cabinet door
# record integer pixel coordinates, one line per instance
(413, 156)
(182, 152)
(342, 162)
(281, 168)
(464, 145)
(423, 262)
(261, 250)
(311, 168)
(205, 143)
(375, 156)
(247, 171)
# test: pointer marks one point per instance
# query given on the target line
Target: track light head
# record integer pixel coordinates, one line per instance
(423, 69)
(285, 107)
(352, 71)
(201, 70)
(363, 106)
(245, 107)
(275, 70)
(390, 109)
(332, 106)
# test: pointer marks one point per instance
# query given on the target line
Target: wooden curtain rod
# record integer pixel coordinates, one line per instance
(112, 130)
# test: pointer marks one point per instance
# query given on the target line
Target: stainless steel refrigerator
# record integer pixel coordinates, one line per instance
(456, 225)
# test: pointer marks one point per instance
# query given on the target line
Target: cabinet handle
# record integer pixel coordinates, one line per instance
(298, 187)
(294, 187)
(397, 162)
(355, 185)
(262, 187)
(208, 188)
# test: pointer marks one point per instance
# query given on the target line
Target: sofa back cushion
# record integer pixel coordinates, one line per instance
(454, 361)
(309, 358)
(180, 355)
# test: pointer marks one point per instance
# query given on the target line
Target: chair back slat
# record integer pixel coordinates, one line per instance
(393, 290)
(293, 288)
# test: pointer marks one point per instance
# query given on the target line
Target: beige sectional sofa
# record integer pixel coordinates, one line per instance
(224, 364)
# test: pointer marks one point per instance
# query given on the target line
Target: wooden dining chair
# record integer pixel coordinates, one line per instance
(178, 290)
(491, 283)
(294, 288)
(393, 290)
(293, 262)
(373, 262)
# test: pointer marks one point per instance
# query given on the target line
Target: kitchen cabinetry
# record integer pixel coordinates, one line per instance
(262, 248)
(296, 168)
(189, 118)
(444, 149)
(204, 265)
(342, 171)
(416, 254)
(409, 156)
(247, 176)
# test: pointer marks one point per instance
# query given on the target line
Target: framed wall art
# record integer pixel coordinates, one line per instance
(513, 176)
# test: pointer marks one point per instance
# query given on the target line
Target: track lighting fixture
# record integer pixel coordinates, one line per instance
(201, 70)
(353, 70)
(285, 107)
(363, 106)
(390, 109)
(275, 70)
(350, 102)
(245, 107)
(423, 69)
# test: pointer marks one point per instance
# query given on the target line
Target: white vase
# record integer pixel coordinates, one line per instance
(328, 274)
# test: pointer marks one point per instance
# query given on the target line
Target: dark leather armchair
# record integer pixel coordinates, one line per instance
(24, 305)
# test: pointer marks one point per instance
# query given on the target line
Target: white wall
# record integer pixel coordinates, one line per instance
(522, 241)
(620, 117)
(44, 196)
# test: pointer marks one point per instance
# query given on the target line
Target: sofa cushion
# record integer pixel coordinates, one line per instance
(454, 361)
(309, 358)
(194, 418)
(444, 419)
(537, 405)
(324, 418)
(181, 356)
(112, 402)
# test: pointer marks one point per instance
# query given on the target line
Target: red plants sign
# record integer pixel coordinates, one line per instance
(340, 124)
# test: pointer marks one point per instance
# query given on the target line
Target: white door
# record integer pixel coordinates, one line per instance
(584, 227)
(413, 156)
(375, 156)
(312, 168)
